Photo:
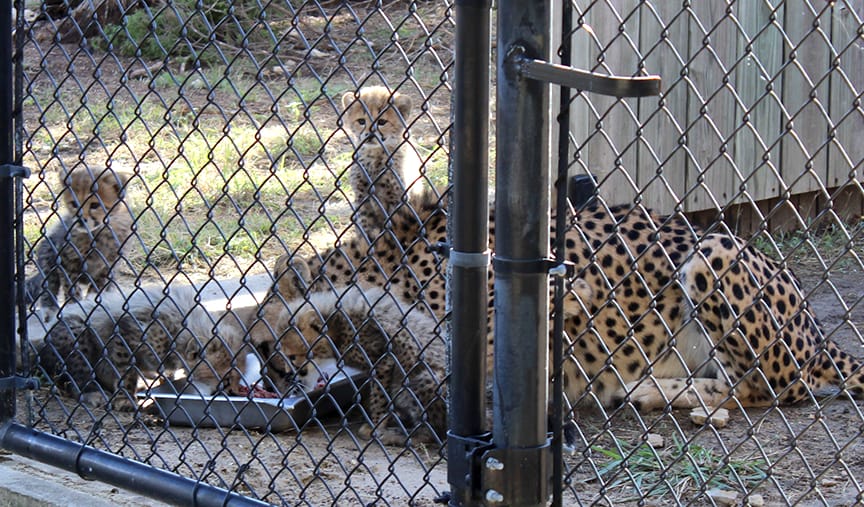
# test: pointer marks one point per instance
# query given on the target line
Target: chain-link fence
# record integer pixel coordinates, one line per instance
(233, 261)
(754, 135)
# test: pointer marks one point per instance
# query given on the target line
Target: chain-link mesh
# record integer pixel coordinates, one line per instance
(753, 150)
(193, 167)
(215, 197)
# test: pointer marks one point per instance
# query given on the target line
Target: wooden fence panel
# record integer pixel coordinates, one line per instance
(847, 86)
(748, 90)
(605, 134)
(662, 153)
(712, 107)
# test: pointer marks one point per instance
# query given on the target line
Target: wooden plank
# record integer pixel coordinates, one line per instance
(847, 83)
(661, 173)
(711, 173)
(605, 138)
(756, 146)
(804, 162)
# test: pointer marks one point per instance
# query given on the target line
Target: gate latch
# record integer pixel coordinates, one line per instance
(13, 171)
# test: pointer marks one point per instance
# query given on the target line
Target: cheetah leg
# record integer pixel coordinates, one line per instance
(377, 401)
(655, 394)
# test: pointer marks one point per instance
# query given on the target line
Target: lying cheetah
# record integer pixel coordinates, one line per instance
(385, 171)
(369, 330)
(80, 252)
(688, 318)
(98, 350)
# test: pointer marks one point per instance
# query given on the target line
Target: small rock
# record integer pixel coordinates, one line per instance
(755, 501)
(723, 497)
(719, 417)
(655, 440)
(317, 53)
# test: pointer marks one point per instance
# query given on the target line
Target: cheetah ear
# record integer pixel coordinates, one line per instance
(347, 100)
(403, 105)
(114, 180)
(121, 178)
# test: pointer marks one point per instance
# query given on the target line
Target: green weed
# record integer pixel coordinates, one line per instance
(676, 470)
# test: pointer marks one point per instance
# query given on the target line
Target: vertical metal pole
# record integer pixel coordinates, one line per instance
(561, 186)
(7, 215)
(521, 235)
(469, 237)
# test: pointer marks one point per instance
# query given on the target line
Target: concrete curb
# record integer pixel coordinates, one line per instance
(28, 483)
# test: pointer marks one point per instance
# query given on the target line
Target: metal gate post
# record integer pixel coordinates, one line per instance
(469, 236)
(7, 217)
(517, 470)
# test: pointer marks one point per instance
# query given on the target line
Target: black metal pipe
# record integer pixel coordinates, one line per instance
(521, 235)
(469, 240)
(93, 464)
(561, 187)
(7, 217)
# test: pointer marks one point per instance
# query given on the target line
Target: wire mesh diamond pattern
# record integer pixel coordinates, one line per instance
(222, 146)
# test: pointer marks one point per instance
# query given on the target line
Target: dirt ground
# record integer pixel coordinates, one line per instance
(811, 454)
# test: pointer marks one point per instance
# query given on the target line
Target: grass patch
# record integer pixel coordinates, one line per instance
(680, 470)
(840, 246)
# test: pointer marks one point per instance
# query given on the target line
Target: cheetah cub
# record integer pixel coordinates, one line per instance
(99, 350)
(79, 253)
(370, 330)
(385, 170)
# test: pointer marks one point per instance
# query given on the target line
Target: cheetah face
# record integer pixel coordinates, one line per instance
(92, 199)
(293, 357)
(212, 360)
(376, 117)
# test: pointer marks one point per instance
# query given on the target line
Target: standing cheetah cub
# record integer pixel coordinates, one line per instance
(79, 253)
(385, 170)
(370, 330)
(98, 350)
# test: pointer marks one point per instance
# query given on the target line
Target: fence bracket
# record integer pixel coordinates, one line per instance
(18, 382)
(498, 487)
(577, 79)
(468, 469)
(545, 265)
(13, 171)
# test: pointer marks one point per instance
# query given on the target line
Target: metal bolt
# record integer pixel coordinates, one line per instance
(494, 464)
(494, 496)
(559, 270)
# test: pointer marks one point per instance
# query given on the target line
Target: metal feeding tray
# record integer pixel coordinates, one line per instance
(181, 403)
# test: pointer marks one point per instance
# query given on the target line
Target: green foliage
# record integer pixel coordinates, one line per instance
(680, 468)
(183, 28)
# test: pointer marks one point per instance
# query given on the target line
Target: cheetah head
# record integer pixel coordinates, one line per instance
(92, 195)
(307, 341)
(216, 361)
(374, 116)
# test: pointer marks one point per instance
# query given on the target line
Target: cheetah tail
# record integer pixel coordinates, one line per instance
(842, 370)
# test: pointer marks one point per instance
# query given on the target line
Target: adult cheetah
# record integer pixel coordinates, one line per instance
(682, 317)
(676, 315)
